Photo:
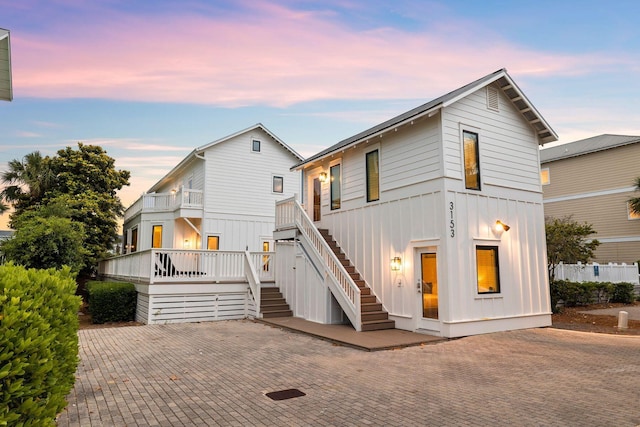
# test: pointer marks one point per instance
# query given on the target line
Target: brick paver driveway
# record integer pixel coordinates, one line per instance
(218, 374)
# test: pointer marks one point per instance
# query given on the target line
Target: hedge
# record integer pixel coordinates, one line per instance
(111, 301)
(583, 293)
(38, 343)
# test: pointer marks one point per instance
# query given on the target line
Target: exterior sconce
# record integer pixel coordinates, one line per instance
(323, 177)
(501, 226)
(173, 191)
(396, 263)
(187, 243)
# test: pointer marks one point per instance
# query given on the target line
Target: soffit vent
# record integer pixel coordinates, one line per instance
(492, 98)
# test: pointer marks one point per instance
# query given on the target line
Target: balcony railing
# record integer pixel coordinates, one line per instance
(166, 202)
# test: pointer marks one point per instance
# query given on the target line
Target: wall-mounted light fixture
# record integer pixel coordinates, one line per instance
(323, 177)
(187, 243)
(396, 263)
(501, 226)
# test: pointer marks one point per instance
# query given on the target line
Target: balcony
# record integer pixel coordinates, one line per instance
(167, 202)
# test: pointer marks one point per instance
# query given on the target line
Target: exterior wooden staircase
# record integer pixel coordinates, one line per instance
(374, 317)
(273, 304)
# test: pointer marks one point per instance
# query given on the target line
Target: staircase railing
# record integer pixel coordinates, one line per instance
(253, 279)
(344, 289)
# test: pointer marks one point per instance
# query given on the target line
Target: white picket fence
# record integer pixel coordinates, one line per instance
(594, 272)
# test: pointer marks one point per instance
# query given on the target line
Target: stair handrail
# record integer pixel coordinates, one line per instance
(339, 277)
(253, 279)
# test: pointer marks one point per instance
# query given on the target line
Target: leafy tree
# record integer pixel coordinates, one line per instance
(26, 182)
(567, 241)
(46, 238)
(84, 181)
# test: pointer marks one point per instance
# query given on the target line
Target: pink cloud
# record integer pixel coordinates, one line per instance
(274, 56)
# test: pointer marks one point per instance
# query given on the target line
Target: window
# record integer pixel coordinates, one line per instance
(471, 161)
(631, 214)
(487, 269)
(156, 236)
(255, 146)
(373, 176)
(213, 243)
(317, 190)
(278, 184)
(134, 240)
(545, 178)
(334, 186)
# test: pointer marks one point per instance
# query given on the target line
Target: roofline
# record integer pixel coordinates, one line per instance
(250, 128)
(595, 150)
(7, 36)
(429, 109)
(196, 152)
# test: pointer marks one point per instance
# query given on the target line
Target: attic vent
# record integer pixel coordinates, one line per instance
(492, 98)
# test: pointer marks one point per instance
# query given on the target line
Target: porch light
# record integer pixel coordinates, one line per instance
(187, 243)
(501, 226)
(323, 177)
(396, 263)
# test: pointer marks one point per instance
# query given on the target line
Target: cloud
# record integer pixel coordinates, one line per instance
(132, 144)
(264, 54)
(27, 134)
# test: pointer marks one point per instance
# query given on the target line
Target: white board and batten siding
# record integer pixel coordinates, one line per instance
(179, 303)
(508, 144)
(240, 201)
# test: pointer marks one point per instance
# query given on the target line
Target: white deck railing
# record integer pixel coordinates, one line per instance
(290, 214)
(185, 266)
(165, 202)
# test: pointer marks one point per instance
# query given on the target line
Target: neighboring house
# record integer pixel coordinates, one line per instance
(431, 221)
(220, 197)
(6, 90)
(198, 245)
(592, 180)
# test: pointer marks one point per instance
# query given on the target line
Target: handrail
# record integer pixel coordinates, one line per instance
(254, 281)
(346, 291)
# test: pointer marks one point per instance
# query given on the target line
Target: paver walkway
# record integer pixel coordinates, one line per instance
(218, 373)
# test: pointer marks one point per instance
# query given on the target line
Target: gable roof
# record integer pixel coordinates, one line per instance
(6, 90)
(249, 129)
(586, 146)
(196, 154)
(505, 82)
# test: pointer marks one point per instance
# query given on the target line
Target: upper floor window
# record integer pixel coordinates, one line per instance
(373, 176)
(545, 177)
(487, 269)
(156, 236)
(255, 145)
(471, 160)
(278, 184)
(335, 186)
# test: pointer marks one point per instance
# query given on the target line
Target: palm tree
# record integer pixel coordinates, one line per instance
(26, 182)
(634, 202)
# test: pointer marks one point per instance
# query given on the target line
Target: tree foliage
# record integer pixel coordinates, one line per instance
(85, 182)
(47, 237)
(568, 242)
(634, 202)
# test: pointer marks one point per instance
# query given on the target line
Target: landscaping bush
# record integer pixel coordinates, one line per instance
(622, 292)
(38, 343)
(111, 301)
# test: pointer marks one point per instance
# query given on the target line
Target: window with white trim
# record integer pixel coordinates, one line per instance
(487, 269)
(545, 176)
(278, 184)
(255, 145)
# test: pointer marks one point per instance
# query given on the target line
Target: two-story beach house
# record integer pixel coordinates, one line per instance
(431, 221)
(197, 240)
(6, 91)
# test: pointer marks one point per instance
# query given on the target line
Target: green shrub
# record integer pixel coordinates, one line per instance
(622, 292)
(38, 343)
(111, 301)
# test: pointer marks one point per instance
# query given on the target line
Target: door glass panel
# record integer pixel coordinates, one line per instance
(429, 286)
(316, 199)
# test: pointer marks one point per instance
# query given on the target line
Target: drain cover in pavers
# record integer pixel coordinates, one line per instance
(285, 394)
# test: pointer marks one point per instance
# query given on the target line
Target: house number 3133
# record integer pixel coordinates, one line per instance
(452, 223)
